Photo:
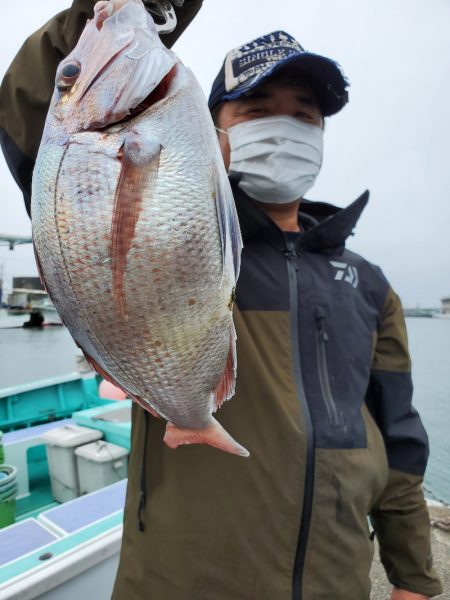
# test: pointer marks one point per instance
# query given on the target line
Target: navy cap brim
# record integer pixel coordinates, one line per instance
(324, 75)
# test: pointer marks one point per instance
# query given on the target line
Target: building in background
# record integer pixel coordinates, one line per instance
(26, 291)
(30, 283)
(446, 305)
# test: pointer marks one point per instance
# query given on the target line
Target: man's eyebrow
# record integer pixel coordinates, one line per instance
(256, 95)
(302, 97)
(307, 99)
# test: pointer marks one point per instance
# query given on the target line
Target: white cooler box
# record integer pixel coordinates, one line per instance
(101, 464)
(61, 444)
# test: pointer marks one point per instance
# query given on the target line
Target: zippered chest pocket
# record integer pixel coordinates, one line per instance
(336, 368)
(322, 339)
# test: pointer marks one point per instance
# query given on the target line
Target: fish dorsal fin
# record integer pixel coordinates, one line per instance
(227, 219)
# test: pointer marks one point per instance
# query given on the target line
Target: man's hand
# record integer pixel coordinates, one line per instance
(398, 594)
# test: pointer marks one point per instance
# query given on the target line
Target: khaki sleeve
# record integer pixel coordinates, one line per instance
(28, 85)
(400, 516)
(401, 522)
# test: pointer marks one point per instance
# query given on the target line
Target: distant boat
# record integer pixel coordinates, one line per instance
(36, 303)
(48, 311)
(420, 312)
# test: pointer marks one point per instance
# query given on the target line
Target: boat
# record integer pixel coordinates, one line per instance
(60, 549)
(48, 311)
(35, 305)
(419, 312)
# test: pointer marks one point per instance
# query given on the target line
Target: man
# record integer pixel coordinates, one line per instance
(323, 399)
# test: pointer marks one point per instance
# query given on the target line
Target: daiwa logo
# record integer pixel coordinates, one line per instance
(346, 273)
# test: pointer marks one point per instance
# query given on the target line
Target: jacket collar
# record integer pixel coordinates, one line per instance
(325, 226)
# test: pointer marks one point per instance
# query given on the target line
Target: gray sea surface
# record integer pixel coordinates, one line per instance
(31, 355)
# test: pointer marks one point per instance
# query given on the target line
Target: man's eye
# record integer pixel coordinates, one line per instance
(255, 110)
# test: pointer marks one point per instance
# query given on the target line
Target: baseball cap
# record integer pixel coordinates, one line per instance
(249, 65)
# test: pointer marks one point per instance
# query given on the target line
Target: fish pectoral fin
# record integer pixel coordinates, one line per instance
(213, 435)
(227, 383)
(139, 158)
(139, 150)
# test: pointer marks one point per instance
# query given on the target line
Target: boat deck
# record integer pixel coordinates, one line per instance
(52, 549)
(62, 540)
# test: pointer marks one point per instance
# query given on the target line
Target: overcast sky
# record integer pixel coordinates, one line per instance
(392, 138)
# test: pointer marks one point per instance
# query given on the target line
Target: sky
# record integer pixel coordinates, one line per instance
(393, 137)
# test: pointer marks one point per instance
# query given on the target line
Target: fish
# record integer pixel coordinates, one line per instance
(135, 231)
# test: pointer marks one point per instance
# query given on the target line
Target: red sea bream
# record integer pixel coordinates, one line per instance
(134, 225)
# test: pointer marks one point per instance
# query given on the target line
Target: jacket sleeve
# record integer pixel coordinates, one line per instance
(400, 516)
(28, 85)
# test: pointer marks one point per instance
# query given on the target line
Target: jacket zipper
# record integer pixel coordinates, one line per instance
(291, 256)
(322, 340)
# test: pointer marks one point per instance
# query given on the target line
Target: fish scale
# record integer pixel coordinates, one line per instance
(135, 228)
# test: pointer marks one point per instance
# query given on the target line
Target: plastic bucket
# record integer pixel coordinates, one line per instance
(8, 512)
(8, 473)
(8, 493)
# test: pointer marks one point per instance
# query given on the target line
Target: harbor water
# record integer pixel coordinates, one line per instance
(28, 355)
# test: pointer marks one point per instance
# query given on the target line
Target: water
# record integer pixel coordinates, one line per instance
(30, 355)
(429, 341)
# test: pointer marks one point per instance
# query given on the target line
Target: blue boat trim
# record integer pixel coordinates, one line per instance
(83, 511)
(60, 547)
(21, 435)
(23, 538)
(34, 385)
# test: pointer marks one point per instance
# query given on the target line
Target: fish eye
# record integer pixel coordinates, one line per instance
(70, 71)
(68, 76)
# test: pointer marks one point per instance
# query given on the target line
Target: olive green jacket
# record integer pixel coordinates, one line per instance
(323, 403)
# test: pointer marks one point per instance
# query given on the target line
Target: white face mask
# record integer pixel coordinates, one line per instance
(277, 159)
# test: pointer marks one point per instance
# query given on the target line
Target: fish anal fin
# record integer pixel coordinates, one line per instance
(227, 383)
(213, 435)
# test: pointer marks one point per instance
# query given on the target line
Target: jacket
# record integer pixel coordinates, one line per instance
(323, 402)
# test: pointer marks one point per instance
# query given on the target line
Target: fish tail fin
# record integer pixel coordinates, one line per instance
(213, 435)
